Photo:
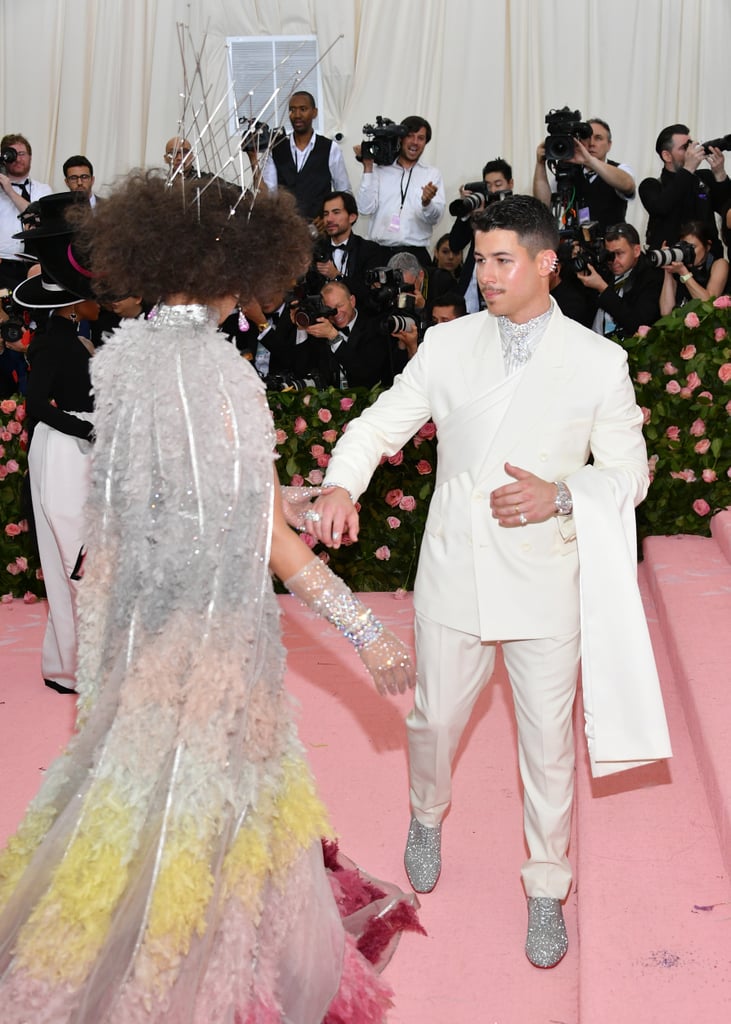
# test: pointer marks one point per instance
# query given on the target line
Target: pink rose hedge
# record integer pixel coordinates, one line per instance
(20, 573)
(682, 373)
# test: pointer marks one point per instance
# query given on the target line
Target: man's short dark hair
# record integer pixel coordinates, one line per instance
(603, 123)
(498, 166)
(414, 123)
(527, 216)
(77, 161)
(303, 92)
(665, 138)
(623, 230)
(10, 140)
(347, 199)
(453, 299)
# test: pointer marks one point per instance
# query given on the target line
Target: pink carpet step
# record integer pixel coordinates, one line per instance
(690, 581)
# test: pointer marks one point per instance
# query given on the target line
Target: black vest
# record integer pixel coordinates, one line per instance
(312, 183)
(604, 204)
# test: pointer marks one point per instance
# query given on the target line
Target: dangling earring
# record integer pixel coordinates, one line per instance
(243, 322)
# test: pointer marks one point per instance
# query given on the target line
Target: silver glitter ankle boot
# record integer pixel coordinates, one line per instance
(547, 941)
(423, 856)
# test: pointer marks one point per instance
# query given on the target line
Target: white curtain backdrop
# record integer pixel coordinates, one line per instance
(103, 77)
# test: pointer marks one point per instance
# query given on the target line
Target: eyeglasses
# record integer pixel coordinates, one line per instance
(20, 152)
(73, 178)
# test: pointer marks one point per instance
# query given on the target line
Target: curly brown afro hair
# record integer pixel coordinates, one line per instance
(152, 239)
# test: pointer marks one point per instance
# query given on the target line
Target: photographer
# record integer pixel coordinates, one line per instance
(602, 187)
(699, 275)
(404, 199)
(497, 180)
(17, 190)
(342, 255)
(682, 192)
(629, 295)
(346, 350)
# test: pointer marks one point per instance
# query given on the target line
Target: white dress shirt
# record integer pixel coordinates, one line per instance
(392, 197)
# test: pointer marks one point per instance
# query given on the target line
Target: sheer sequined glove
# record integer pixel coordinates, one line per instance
(382, 653)
(296, 501)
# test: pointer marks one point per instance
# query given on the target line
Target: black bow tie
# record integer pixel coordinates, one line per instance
(343, 246)
(345, 331)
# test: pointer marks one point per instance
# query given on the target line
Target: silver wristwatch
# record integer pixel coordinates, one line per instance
(563, 501)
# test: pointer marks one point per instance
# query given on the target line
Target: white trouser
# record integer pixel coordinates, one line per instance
(453, 668)
(59, 467)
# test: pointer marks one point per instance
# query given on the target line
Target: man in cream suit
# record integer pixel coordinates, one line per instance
(521, 397)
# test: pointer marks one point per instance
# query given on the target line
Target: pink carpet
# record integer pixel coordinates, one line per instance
(649, 916)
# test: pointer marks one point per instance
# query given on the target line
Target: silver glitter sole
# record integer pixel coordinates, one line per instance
(423, 855)
(547, 940)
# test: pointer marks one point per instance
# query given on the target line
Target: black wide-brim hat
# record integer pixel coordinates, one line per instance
(51, 241)
(42, 292)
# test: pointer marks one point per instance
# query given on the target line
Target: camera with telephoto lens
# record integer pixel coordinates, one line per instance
(724, 143)
(307, 308)
(395, 299)
(466, 205)
(681, 252)
(7, 156)
(289, 382)
(257, 136)
(12, 329)
(564, 127)
(383, 143)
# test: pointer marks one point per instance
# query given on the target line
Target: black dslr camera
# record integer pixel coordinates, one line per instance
(466, 205)
(289, 382)
(257, 136)
(395, 299)
(7, 156)
(724, 143)
(581, 248)
(383, 143)
(12, 329)
(308, 308)
(681, 252)
(564, 126)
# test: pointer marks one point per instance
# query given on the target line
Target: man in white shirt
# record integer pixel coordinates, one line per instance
(404, 199)
(17, 191)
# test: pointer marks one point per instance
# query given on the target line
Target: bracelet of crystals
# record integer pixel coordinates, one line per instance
(325, 593)
(334, 483)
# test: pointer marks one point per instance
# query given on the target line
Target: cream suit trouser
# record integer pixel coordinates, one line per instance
(453, 668)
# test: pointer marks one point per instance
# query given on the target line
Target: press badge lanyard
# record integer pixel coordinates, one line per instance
(395, 224)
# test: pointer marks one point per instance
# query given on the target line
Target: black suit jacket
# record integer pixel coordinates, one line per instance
(640, 302)
(362, 255)
(363, 356)
(674, 198)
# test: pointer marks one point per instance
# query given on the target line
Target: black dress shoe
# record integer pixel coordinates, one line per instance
(58, 687)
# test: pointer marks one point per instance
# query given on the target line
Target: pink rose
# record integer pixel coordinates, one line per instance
(14, 427)
(330, 436)
(417, 441)
(316, 451)
(646, 415)
(701, 507)
(12, 466)
(672, 387)
(728, 407)
(702, 446)
(5, 435)
(673, 433)
(689, 351)
(693, 380)
(324, 415)
(668, 369)
(307, 399)
(652, 463)
(724, 372)
(300, 425)
(24, 438)
(20, 413)
(22, 563)
(709, 476)
(428, 430)
(383, 553)
(686, 393)
(29, 598)
(346, 403)
(396, 459)
(642, 331)
(400, 594)
(691, 321)
(685, 474)
(2, 452)
(39, 574)
(698, 428)
(407, 503)
(6, 599)
(12, 530)
(706, 394)
(315, 477)
(23, 524)
(722, 302)
(3, 472)
(720, 333)
(297, 480)
(281, 436)
(393, 497)
(423, 468)
(394, 522)
(7, 406)
(13, 569)
(643, 377)
(323, 461)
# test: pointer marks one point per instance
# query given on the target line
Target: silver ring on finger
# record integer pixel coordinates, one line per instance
(522, 519)
(311, 516)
